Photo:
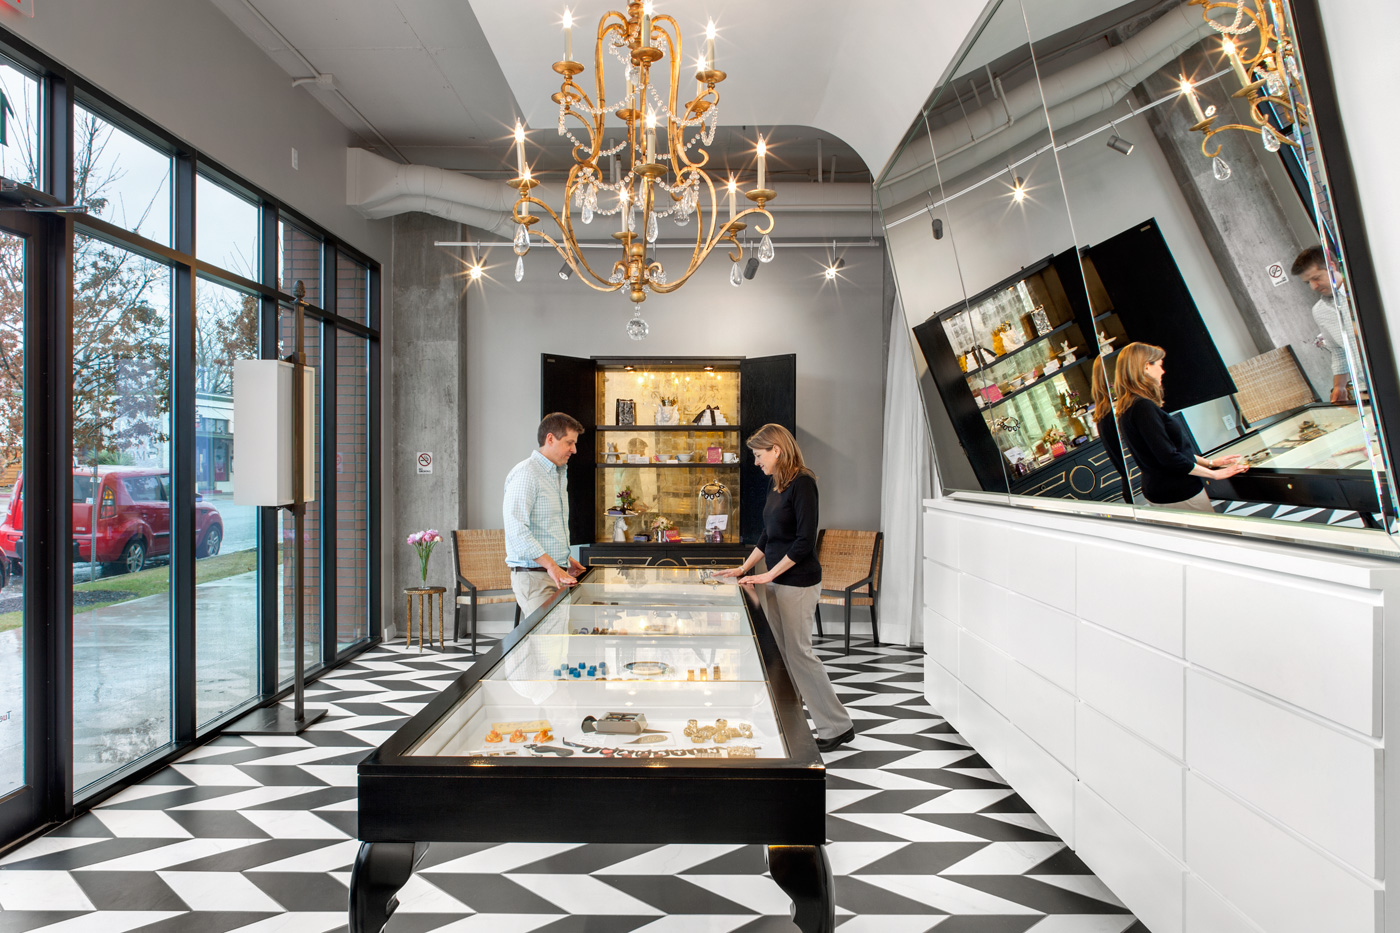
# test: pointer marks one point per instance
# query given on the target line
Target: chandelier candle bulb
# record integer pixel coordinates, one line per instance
(1233, 54)
(568, 35)
(1190, 93)
(646, 25)
(519, 149)
(763, 161)
(733, 187)
(710, 46)
(651, 136)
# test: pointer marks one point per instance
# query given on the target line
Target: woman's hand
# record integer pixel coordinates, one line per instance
(729, 572)
(757, 578)
(1227, 470)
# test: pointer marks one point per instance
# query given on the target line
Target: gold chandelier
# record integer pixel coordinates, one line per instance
(1268, 76)
(656, 185)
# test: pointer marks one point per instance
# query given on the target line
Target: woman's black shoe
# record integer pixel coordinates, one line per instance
(827, 745)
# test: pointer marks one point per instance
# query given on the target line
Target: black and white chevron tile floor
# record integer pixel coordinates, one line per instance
(257, 835)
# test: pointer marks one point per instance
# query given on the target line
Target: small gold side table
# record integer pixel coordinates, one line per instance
(432, 593)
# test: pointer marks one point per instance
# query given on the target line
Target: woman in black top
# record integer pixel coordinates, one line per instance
(1170, 469)
(790, 587)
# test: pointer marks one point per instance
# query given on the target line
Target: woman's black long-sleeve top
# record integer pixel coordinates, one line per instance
(790, 521)
(1162, 450)
(1108, 433)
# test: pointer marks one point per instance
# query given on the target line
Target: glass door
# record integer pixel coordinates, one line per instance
(23, 789)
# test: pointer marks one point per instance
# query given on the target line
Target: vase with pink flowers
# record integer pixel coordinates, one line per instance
(423, 542)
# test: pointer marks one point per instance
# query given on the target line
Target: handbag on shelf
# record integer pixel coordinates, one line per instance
(706, 415)
(626, 411)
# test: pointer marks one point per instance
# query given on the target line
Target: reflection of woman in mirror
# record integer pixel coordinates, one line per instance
(1170, 470)
(1312, 267)
(1103, 421)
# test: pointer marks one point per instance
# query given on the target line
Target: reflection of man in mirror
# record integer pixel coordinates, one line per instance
(1312, 267)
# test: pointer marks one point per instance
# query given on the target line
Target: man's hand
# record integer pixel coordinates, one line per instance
(1339, 395)
(560, 577)
(575, 568)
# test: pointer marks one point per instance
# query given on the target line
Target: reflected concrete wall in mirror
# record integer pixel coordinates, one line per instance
(1262, 407)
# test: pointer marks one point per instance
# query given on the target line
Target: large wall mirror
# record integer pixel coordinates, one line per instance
(1114, 242)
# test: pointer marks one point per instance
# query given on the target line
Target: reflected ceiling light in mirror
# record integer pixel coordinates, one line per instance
(1018, 186)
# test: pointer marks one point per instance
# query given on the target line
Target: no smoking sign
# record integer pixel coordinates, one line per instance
(425, 462)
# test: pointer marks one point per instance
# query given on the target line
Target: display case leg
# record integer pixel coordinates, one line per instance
(804, 873)
(381, 868)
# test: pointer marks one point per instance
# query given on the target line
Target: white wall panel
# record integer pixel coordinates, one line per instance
(1132, 591)
(1134, 777)
(983, 726)
(1311, 777)
(941, 589)
(981, 609)
(1282, 884)
(1046, 785)
(941, 534)
(1041, 638)
(1249, 627)
(983, 668)
(941, 640)
(1207, 912)
(1043, 568)
(1141, 873)
(941, 689)
(1134, 686)
(982, 547)
(1042, 711)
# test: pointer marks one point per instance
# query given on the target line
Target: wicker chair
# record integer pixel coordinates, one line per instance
(481, 569)
(850, 574)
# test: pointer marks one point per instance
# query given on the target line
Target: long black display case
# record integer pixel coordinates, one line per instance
(449, 774)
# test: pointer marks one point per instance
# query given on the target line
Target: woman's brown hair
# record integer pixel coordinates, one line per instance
(1130, 376)
(789, 466)
(1099, 391)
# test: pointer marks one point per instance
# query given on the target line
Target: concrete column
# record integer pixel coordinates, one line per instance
(429, 403)
(1250, 220)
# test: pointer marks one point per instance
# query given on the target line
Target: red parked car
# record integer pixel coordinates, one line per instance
(133, 518)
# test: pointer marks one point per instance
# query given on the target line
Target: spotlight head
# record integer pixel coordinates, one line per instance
(566, 271)
(840, 264)
(474, 271)
(830, 273)
(937, 228)
(1119, 144)
(1018, 193)
(751, 267)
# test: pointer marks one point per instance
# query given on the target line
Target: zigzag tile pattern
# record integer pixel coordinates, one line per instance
(256, 834)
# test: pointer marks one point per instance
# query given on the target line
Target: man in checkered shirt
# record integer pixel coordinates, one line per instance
(536, 513)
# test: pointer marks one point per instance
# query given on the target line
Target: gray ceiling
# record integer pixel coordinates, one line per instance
(421, 80)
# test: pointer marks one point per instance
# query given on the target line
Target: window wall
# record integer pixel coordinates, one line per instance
(173, 616)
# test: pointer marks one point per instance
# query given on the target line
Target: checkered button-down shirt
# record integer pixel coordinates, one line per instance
(536, 512)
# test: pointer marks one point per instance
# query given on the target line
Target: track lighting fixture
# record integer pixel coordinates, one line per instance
(1118, 143)
(937, 228)
(751, 267)
(566, 271)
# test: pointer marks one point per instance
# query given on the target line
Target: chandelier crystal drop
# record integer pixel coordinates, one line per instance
(662, 159)
(765, 249)
(1220, 169)
(1271, 140)
(736, 278)
(519, 268)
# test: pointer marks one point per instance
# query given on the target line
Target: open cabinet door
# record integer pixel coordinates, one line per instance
(570, 385)
(767, 393)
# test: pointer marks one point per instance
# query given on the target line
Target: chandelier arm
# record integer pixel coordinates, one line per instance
(698, 258)
(1233, 29)
(575, 260)
(1210, 154)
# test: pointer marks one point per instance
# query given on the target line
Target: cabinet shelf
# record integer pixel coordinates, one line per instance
(1022, 348)
(689, 466)
(667, 427)
(1025, 388)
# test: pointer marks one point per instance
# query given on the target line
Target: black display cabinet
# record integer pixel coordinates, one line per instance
(541, 741)
(663, 455)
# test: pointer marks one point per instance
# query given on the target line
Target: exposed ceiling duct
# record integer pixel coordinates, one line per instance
(379, 188)
(1073, 94)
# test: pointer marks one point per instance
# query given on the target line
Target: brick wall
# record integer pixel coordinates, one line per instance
(352, 458)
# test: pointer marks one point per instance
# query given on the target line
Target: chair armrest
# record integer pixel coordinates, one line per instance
(859, 583)
(464, 582)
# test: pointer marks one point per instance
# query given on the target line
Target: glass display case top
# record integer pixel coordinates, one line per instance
(644, 663)
(1318, 437)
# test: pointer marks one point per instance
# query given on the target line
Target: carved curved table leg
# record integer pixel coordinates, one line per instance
(804, 873)
(381, 868)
